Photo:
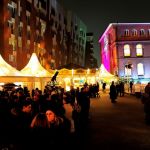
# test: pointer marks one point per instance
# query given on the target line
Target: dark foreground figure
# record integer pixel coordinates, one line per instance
(17, 139)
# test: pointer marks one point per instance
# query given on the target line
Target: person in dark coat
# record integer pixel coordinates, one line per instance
(84, 102)
(147, 103)
(113, 92)
(25, 116)
(131, 86)
(104, 86)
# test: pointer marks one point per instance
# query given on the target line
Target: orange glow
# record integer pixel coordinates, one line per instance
(42, 44)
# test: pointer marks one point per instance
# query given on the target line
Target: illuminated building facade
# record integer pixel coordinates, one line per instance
(56, 35)
(125, 50)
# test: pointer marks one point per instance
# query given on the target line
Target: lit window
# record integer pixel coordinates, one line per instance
(53, 52)
(126, 50)
(20, 27)
(12, 7)
(28, 17)
(140, 69)
(12, 41)
(139, 50)
(28, 44)
(126, 32)
(134, 32)
(52, 64)
(127, 72)
(19, 42)
(28, 32)
(11, 58)
(43, 27)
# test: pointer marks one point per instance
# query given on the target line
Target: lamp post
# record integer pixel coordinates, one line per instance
(88, 70)
(72, 77)
(128, 67)
(96, 75)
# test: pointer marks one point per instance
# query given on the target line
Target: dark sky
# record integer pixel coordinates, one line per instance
(98, 14)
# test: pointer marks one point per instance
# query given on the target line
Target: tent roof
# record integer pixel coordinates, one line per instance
(7, 70)
(65, 71)
(104, 73)
(71, 66)
(34, 68)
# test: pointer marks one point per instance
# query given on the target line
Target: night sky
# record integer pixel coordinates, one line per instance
(98, 14)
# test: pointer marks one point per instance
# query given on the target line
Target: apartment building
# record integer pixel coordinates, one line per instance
(54, 33)
(90, 60)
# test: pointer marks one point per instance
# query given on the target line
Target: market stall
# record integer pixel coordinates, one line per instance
(38, 73)
(9, 74)
(105, 76)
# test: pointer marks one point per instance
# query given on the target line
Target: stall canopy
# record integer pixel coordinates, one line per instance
(34, 68)
(64, 72)
(8, 70)
(103, 73)
(80, 71)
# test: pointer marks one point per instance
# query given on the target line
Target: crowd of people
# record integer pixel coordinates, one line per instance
(116, 90)
(54, 114)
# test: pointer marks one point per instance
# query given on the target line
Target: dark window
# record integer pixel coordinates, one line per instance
(59, 16)
(20, 18)
(28, 35)
(43, 4)
(12, 29)
(65, 21)
(20, 31)
(28, 6)
(13, 12)
(28, 20)
(53, 11)
(71, 23)
(56, 24)
(76, 27)
(51, 22)
(142, 32)
(59, 28)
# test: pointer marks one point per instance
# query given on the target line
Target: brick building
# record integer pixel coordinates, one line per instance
(125, 50)
(55, 34)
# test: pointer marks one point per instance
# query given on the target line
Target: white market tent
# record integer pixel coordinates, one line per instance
(9, 74)
(34, 68)
(32, 75)
(103, 73)
(8, 70)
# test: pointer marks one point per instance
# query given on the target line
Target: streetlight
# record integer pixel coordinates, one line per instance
(72, 77)
(88, 71)
(128, 67)
(96, 72)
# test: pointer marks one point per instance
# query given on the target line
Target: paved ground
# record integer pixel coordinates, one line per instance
(117, 126)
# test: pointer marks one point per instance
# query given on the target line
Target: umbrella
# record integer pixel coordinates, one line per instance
(9, 86)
